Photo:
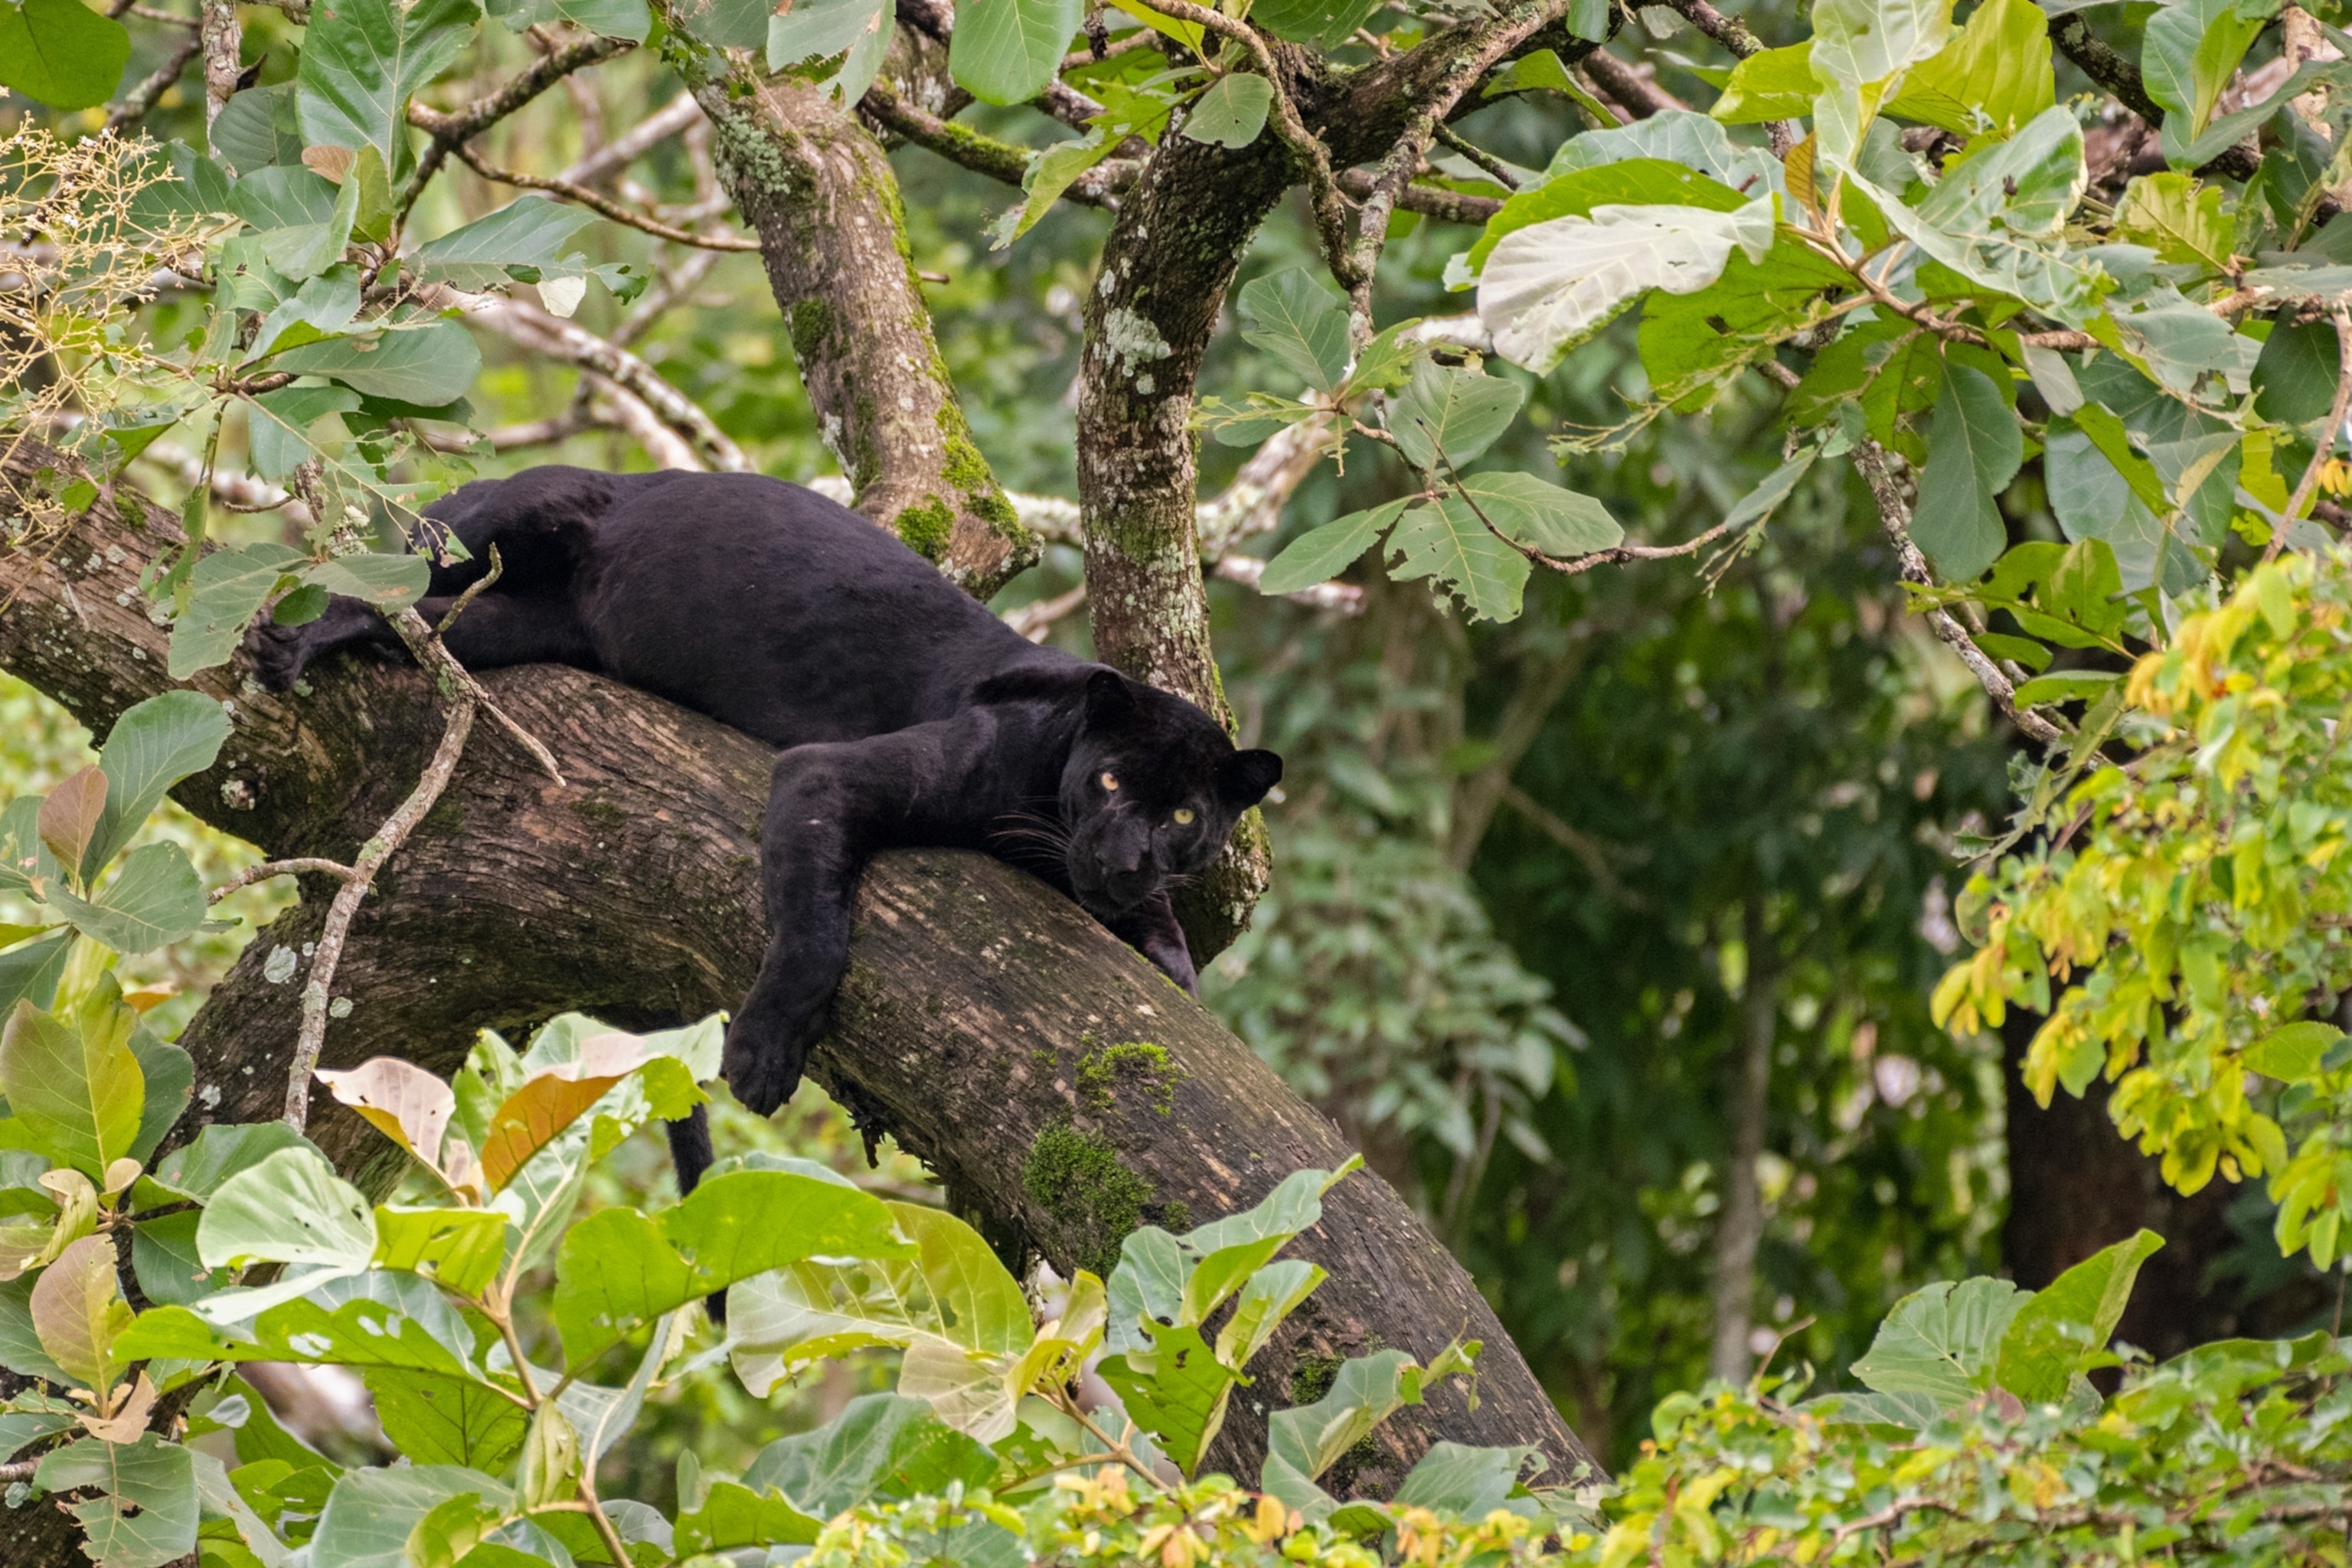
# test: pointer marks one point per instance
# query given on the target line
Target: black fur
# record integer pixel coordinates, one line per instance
(909, 713)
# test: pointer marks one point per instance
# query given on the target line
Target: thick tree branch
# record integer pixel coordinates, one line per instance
(973, 995)
(820, 195)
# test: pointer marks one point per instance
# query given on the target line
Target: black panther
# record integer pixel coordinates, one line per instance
(907, 713)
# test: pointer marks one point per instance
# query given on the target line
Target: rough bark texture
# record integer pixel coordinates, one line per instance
(822, 197)
(973, 1024)
(2076, 1185)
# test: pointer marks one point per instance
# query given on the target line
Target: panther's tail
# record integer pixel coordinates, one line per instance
(690, 1154)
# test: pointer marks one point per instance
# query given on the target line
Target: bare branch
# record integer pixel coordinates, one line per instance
(1730, 31)
(454, 128)
(300, 866)
(634, 143)
(600, 202)
(1036, 619)
(142, 99)
(1630, 88)
(536, 330)
(1430, 201)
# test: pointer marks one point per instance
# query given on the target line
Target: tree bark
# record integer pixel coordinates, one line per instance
(1740, 1229)
(974, 998)
(822, 197)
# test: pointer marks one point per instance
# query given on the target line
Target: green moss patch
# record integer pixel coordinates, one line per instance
(1077, 1178)
(1134, 1067)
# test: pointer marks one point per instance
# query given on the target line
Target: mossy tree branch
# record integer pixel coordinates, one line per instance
(1063, 1090)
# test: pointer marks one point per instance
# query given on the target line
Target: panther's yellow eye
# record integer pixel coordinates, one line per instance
(1109, 781)
(1183, 816)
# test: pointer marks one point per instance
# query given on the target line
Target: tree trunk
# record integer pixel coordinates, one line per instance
(974, 998)
(1740, 1228)
(2076, 1185)
(822, 196)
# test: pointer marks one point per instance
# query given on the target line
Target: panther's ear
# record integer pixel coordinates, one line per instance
(1110, 703)
(1244, 778)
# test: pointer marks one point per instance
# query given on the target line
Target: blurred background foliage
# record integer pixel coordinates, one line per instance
(1542, 890)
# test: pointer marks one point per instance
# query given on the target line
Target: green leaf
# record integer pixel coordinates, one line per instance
(1554, 519)
(154, 901)
(80, 1313)
(61, 53)
(2292, 1054)
(362, 1321)
(1322, 553)
(731, 1517)
(1697, 141)
(2075, 686)
(1546, 288)
(289, 1208)
(284, 196)
(1691, 343)
(369, 1515)
(440, 1420)
(2092, 501)
(880, 1445)
(1771, 84)
(1006, 51)
(226, 590)
(2062, 1330)
(1448, 542)
(1305, 1441)
(1173, 1387)
(220, 1151)
(428, 365)
(529, 232)
(387, 582)
(1300, 322)
(1232, 112)
(1307, 21)
(859, 31)
(20, 1346)
(145, 1512)
(154, 745)
(2178, 217)
(1941, 1342)
(458, 1248)
(1859, 45)
(163, 1258)
(2190, 51)
(169, 1074)
(279, 424)
(363, 60)
(1640, 180)
(2295, 378)
(76, 1091)
(1053, 171)
(1454, 1478)
(1991, 78)
(261, 127)
(959, 1316)
(605, 19)
(1457, 411)
(1756, 508)
(1974, 448)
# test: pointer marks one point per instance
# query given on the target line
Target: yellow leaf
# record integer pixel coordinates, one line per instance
(400, 1100)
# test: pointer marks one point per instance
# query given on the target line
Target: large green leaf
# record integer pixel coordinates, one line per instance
(1684, 136)
(384, 1319)
(1859, 46)
(145, 1512)
(2061, 1333)
(363, 60)
(428, 366)
(1637, 181)
(1771, 84)
(163, 1257)
(1174, 1387)
(1231, 1249)
(220, 1151)
(857, 31)
(1554, 519)
(1458, 412)
(1231, 111)
(731, 1517)
(618, 1269)
(1298, 321)
(226, 590)
(61, 52)
(880, 1445)
(289, 1208)
(458, 1248)
(1546, 288)
(1995, 75)
(169, 1076)
(154, 745)
(606, 19)
(1006, 51)
(260, 128)
(1303, 1442)
(2292, 1054)
(155, 899)
(369, 1515)
(529, 233)
(2092, 501)
(1457, 1479)
(1974, 448)
(1304, 21)
(77, 1091)
(436, 1419)
(1448, 542)
(2295, 378)
(20, 1345)
(388, 582)
(1941, 1342)
(2190, 49)
(1322, 553)
(80, 1313)
(959, 1315)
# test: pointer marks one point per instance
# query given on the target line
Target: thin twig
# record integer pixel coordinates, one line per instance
(634, 143)
(300, 866)
(454, 128)
(2326, 449)
(1895, 517)
(142, 99)
(1480, 156)
(598, 202)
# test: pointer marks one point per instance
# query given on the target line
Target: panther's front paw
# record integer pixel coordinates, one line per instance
(766, 1048)
(279, 654)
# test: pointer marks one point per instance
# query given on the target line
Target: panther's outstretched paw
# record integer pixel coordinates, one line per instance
(764, 1056)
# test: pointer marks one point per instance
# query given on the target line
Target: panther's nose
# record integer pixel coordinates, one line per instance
(1123, 858)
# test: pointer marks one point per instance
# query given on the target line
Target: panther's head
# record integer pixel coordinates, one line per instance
(1150, 794)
